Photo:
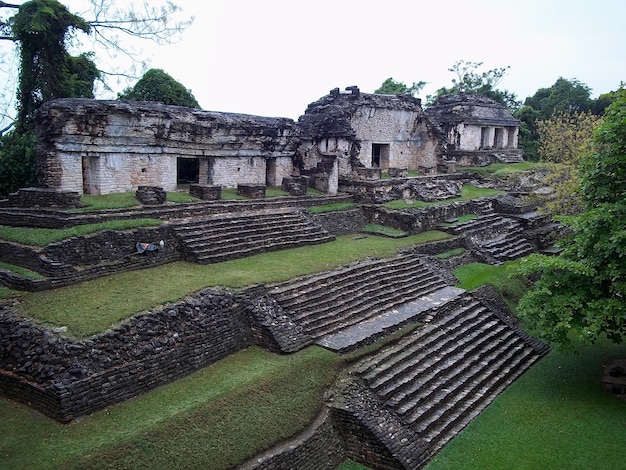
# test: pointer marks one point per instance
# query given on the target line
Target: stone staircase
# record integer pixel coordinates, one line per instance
(222, 237)
(327, 303)
(441, 376)
(495, 236)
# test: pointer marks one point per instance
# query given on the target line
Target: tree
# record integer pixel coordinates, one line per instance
(391, 87)
(582, 292)
(565, 96)
(563, 141)
(156, 85)
(43, 31)
(469, 80)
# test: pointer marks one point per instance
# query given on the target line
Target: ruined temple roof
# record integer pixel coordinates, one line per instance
(331, 115)
(470, 108)
(200, 118)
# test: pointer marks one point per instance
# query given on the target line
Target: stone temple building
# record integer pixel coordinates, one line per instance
(478, 130)
(101, 147)
(350, 130)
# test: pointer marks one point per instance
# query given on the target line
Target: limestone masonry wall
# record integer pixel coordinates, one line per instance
(66, 378)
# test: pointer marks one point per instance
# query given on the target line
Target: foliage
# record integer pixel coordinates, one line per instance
(582, 292)
(156, 85)
(565, 96)
(391, 87)
(47, 70)
(563, 140)
(17, 161)
(469, 80)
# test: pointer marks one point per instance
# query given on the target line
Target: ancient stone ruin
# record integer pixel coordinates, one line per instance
(392, 409)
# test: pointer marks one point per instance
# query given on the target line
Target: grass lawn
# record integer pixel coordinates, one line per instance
(498, 169)
(214, 418)
(94, 306)
(42, 236)
(556, 416)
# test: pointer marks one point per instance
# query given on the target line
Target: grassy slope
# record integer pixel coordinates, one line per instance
(555, 416)
(219, 415)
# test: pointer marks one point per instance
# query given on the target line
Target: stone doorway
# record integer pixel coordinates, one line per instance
(187, 170)
(380, 156)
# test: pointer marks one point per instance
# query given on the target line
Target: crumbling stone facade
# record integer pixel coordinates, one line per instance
(359, 130)
(102, 147)
(478, 130)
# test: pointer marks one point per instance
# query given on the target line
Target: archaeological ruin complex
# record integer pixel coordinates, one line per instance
(396, 406)
(103, 147)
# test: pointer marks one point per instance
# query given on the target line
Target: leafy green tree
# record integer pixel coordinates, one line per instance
(582, 292)
(565, 96)
(156, 85)
(43, 31)
(392, 87)
(469, 80)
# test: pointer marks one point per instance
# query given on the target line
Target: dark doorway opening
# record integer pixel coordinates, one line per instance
(380, 156)
(187, 170)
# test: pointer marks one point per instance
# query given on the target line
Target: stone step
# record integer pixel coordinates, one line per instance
(365, 308)
(397, 387)
(477, 395)
(241, 228)
(343, 293)
(320, 284)
(428, 336)
(428, 342)
(442, 373)
(455, 397)
(224, 241)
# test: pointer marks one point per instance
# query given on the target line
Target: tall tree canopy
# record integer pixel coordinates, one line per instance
(582, 292)
(42, 32)
(156, 85)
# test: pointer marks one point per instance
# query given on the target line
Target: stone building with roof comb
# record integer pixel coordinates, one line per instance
(478, 130)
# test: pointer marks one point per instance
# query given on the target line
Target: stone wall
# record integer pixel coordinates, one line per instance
(103, 147)
(341, 222)
(317, 448)
(422, 220)
(66, 378)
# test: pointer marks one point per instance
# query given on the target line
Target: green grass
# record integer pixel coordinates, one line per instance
(42, 236)
(511, 287)
(460, 220)
(125, 200)
(335, 207)
(468, 192)
(500, 169)
(94, 306)
(556, 416)
(20, 271)
(383, 230)
(451, 253)
(214, 418)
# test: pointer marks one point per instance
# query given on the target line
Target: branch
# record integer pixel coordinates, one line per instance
(8, 5)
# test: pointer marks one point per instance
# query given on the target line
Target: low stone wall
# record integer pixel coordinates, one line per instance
(319, 447)
(341, 222)
(206, 192)
(423, 219)
(44, 197)
(66, 378)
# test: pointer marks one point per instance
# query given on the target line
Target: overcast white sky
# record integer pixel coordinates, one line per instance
(274, 57)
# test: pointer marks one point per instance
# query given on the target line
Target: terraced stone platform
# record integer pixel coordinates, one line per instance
(222, 237)
(435, 380)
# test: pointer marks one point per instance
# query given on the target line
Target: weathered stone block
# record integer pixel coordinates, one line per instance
(369, 174)
(150, 195)
(206, 192)
(295, 185)
(253, 191)
(398, 172)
